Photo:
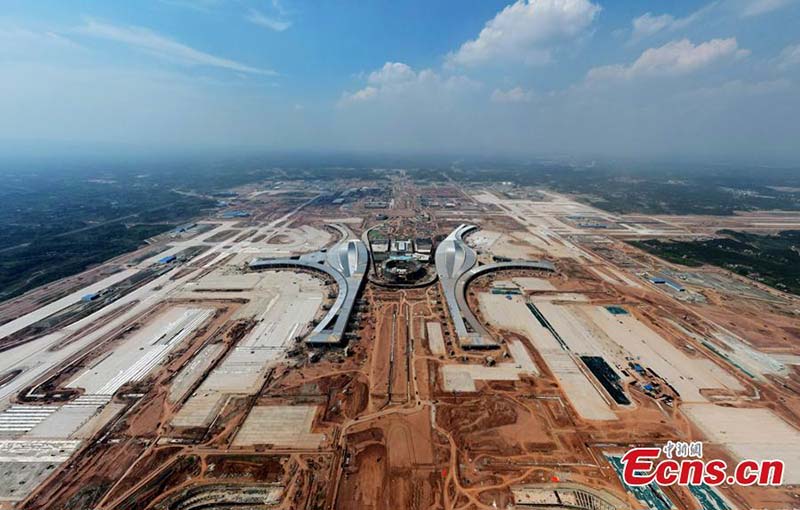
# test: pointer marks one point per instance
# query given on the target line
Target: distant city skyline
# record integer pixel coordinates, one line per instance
(713, 79)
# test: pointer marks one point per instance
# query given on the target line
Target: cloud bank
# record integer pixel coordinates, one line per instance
(525, 32)
(672, 59)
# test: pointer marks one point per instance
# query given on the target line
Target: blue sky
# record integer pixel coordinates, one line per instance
(712, 79)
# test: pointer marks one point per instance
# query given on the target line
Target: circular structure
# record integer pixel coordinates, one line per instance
(403, 270)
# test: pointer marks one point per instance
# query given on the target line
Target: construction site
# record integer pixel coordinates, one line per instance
(395, 345)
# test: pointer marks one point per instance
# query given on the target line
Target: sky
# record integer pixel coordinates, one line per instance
(713, 79)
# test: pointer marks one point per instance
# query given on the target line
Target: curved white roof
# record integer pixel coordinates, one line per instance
(349, 257)
(453, 256)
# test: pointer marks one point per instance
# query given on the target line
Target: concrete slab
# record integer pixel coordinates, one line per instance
(522, 358)
(289, 301)
(280, 425)
(533, 284)
(457, 373)
(435, 338)
(70, 417)
(514, 315)
(134, 357)
(687, 375)
(191, 371)
(19, 419)
(26, 464)
(56, 306)
(754, 433)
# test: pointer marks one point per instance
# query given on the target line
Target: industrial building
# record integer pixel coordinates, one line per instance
(377, 204)
(663, 280)
(380, 246)
(235, 214)
(402, 247)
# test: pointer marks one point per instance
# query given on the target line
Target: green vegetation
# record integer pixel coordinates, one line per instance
(46, 260)
(654, 189)
(60, 218)
(56, 225)
(770, 259)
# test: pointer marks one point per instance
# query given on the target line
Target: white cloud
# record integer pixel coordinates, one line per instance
(260, 19)
(364, 94)
(164, 47)
(396, 78)
(278, 6)
(525, 30)
(392, 73)
(758, 7)
(789, 57)
(672, 59)
(19, 42)
(649, 24)
(514, 95)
